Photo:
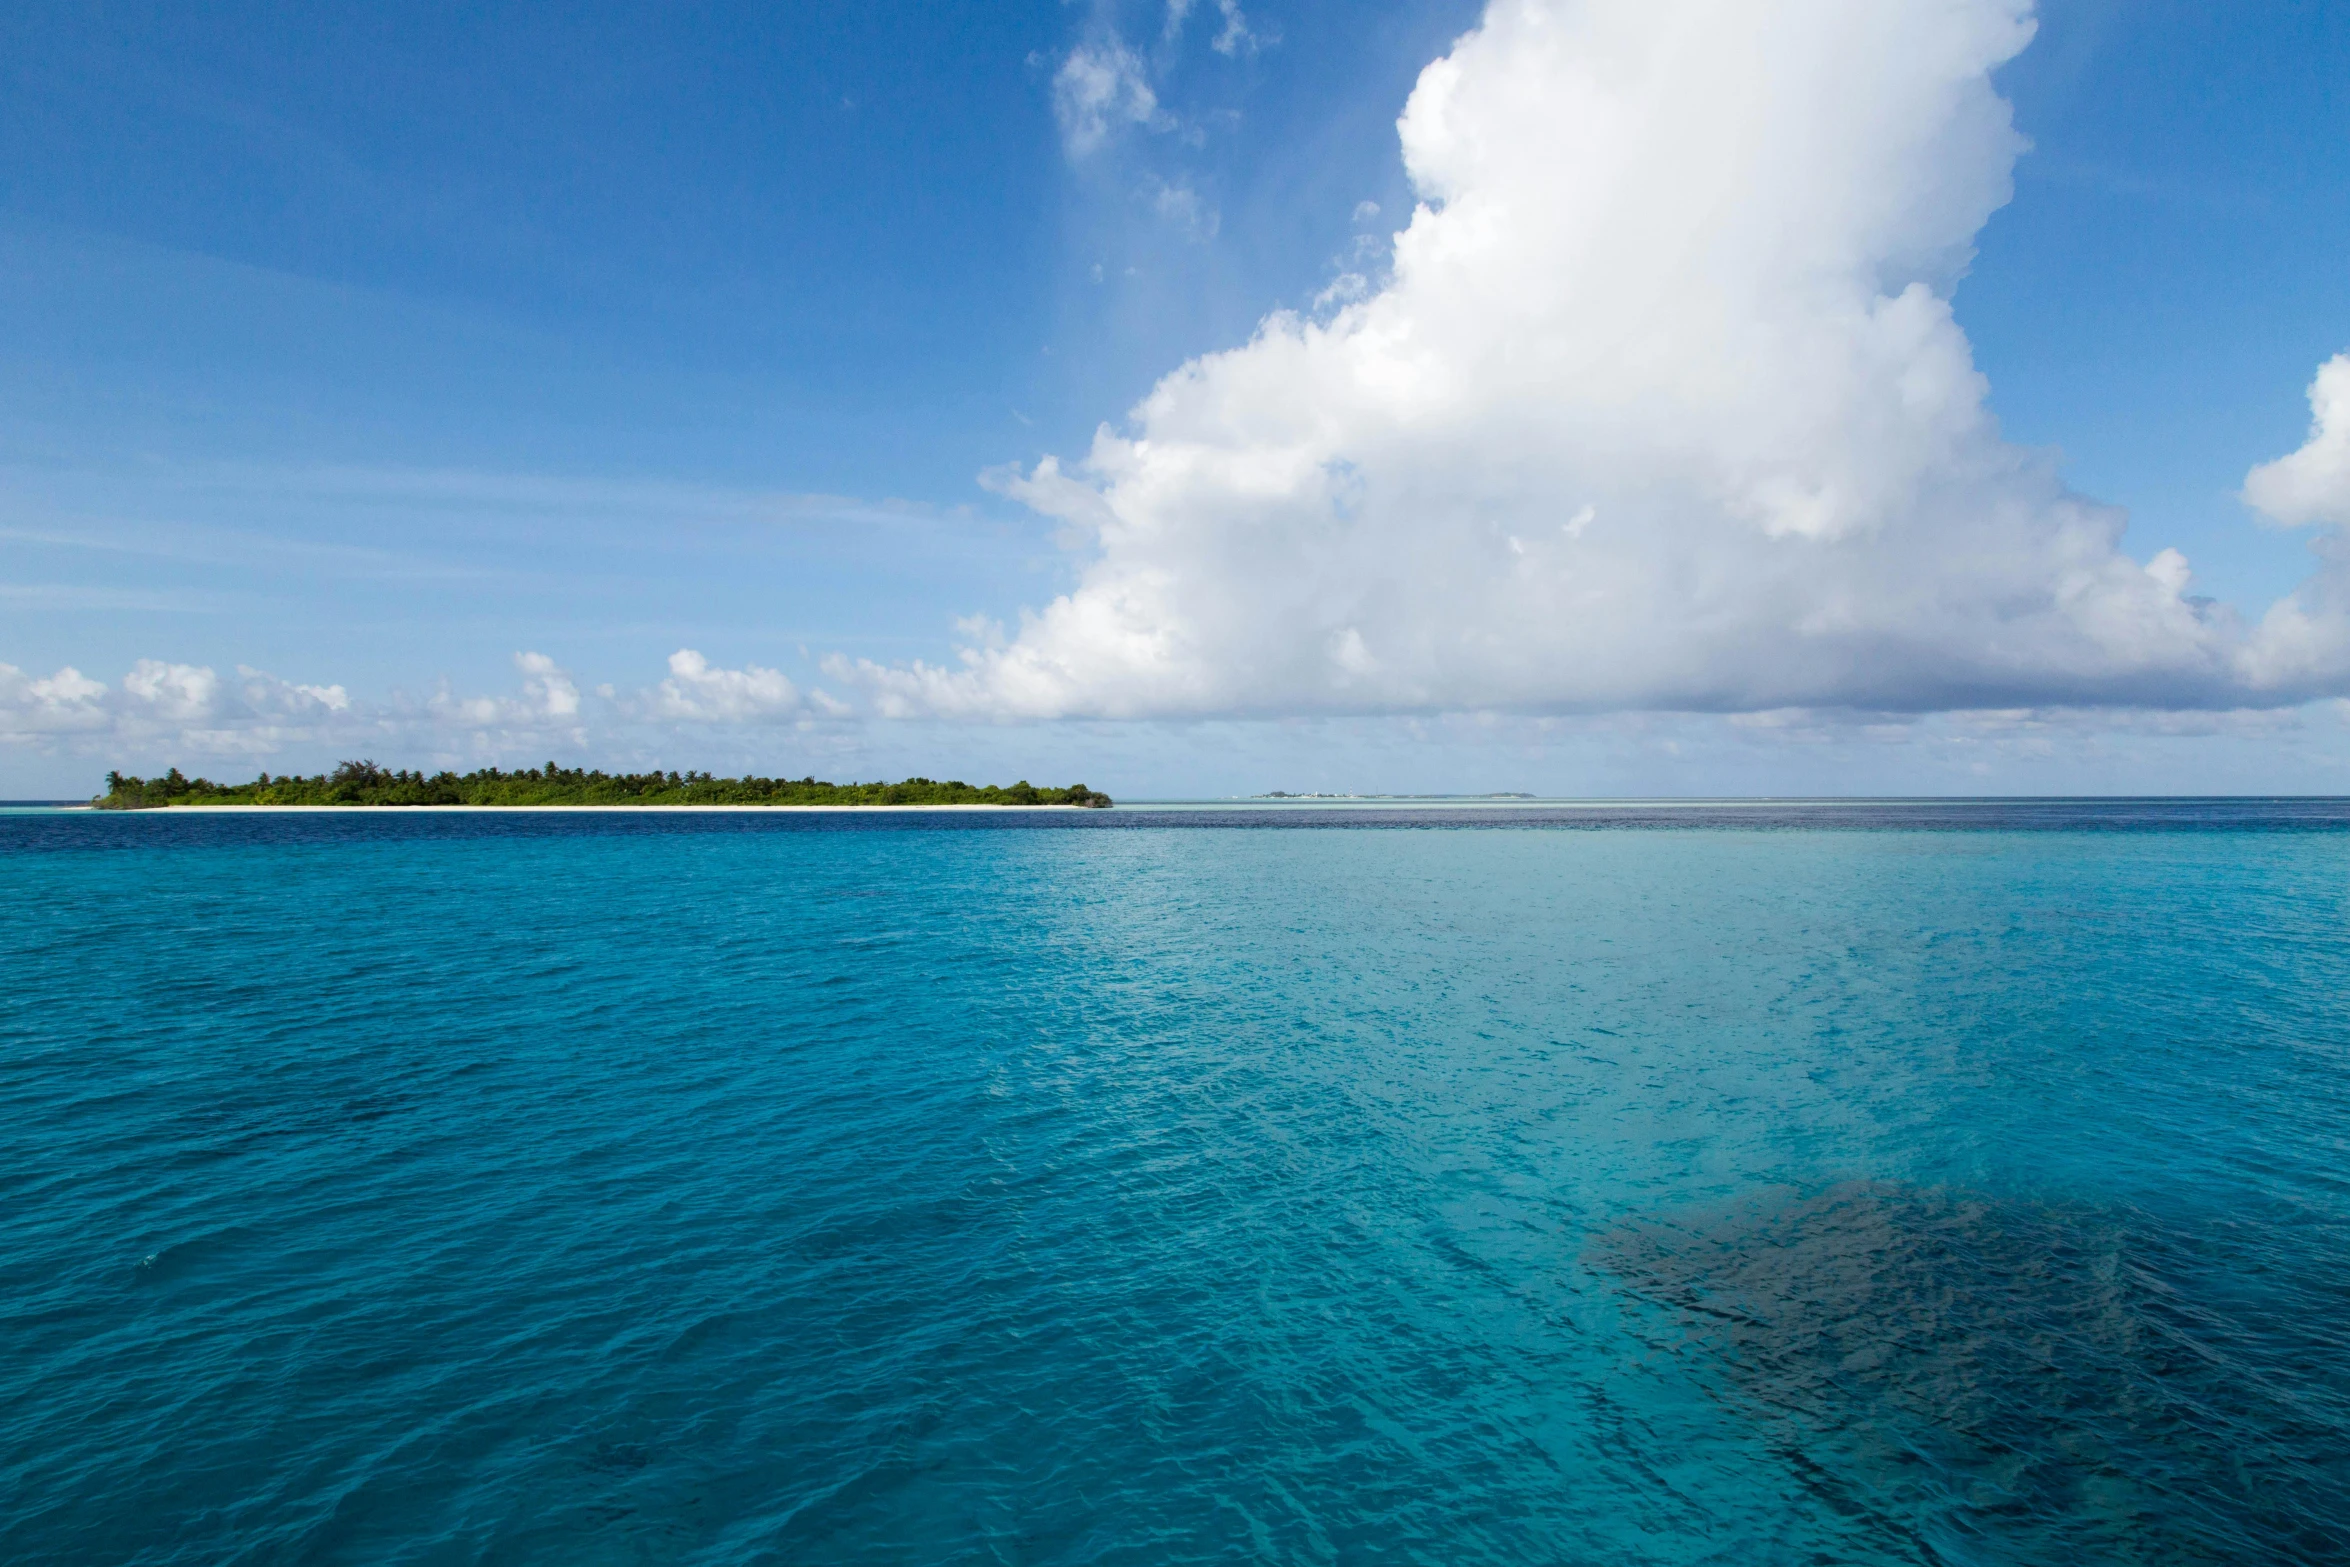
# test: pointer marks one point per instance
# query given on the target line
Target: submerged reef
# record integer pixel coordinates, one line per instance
(1992, 1380)
(364, 783)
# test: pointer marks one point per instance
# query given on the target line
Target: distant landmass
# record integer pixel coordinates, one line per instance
(1285, 794)
(364, 783)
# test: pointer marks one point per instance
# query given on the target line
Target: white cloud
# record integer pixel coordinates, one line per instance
(1343, 289)
(546, 687)
(1662, 406)
(549, 705)
(181, 692)
(266, 693)
(162, 713)
(1100, 89)
(161, 704)
(67, 702)
(2312, 484)
(698, 693)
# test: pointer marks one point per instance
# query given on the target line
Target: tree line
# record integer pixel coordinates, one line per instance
(365, 783)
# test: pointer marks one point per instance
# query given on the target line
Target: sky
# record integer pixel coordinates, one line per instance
(1584, 397)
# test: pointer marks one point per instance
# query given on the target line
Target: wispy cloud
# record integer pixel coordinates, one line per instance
(1181, 206)
(145, 601)
(1101, 88)
(1235, 35)
(102, 512)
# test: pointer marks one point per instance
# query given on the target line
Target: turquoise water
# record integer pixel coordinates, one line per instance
(1777, 1184)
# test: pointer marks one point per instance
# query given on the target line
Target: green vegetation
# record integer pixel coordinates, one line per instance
(364, 783)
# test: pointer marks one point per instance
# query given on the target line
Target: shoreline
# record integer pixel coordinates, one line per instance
(431, 810)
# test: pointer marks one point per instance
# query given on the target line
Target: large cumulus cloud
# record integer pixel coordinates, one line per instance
(1660, 405)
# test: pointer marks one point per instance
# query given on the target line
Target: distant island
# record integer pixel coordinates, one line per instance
(364, 783)
(1288, 794)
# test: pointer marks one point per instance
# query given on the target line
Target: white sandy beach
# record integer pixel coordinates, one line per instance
(412, 810)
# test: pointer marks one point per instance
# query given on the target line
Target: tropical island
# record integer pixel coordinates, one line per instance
(364, 783)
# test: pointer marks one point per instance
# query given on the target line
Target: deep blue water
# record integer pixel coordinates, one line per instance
(1896, 1183)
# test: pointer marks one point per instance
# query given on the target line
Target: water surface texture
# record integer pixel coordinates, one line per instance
(1779, 1183)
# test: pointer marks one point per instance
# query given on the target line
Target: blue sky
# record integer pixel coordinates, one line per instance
(374, 347)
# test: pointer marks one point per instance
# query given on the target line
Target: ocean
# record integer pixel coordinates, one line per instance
(1905, 1182)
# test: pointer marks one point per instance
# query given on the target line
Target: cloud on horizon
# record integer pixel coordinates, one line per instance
(188, 712)
(695, 692)
(1659, 405)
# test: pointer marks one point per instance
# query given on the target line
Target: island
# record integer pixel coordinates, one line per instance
(1291, 794)
(364, 783)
